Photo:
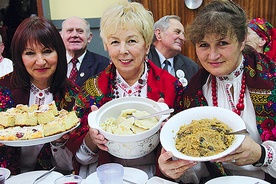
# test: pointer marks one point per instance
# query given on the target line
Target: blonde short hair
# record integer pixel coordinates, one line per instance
(129, 15)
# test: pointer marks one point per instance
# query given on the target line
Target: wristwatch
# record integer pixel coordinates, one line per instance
(260, 162)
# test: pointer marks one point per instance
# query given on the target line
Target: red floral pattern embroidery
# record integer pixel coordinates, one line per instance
(268, 130)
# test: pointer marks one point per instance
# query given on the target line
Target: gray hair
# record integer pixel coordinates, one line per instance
(163, 23)
(88, 31)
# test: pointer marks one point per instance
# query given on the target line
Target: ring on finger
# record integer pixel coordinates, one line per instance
(233, 161)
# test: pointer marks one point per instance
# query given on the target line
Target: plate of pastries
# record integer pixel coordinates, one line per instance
(32, 125)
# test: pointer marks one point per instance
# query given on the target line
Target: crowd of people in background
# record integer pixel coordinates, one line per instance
(237, 69)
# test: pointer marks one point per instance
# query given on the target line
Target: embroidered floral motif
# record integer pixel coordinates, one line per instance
(264, 100)
(233, 74)
(198, 99)
(98, 93)
(69, 97)
(272, 100)
(6, 100)
(121, 87)
(269, 157)
(267, 130)
(39, 94)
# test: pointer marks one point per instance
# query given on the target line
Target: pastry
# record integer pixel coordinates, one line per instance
(69, 120)
(7, 120)
(25, 119)
(44, 117)
(34, 132)
(53, 127)
(25, 123)
(13, 133)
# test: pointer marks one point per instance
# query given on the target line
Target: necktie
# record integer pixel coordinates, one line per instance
(167, 63)
(74, 71)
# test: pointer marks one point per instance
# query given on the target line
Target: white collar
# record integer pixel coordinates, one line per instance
(233, 75)
(40, 97)
(68, 57)
(162, 58)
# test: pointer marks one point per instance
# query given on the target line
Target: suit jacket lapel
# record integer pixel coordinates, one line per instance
(153, 56)
(84, 71)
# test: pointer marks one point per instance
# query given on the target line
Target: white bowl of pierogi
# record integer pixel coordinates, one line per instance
(129, 138)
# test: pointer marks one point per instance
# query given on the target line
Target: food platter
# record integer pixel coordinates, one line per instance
(22, 143)
(171, 127)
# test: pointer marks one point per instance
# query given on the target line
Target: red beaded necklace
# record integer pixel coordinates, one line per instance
(240, 105)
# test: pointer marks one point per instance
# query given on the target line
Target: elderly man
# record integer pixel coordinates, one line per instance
(166, 47)
(82, 63)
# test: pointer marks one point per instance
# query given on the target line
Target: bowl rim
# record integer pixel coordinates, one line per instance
(171, 127)
(94, 116)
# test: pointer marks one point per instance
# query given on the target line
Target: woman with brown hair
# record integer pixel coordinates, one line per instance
(39, 77)
(236, 78)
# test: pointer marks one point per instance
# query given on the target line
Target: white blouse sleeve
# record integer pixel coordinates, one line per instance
(85, 156)
(269, 165)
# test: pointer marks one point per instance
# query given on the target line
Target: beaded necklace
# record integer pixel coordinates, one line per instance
(240, 105)
(121, 88)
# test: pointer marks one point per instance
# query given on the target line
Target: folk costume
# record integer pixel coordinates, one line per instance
(267, 32)
(10, 157)
(259, 113)
(154, 83)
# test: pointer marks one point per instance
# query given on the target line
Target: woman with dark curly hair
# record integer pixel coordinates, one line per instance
(236, 78)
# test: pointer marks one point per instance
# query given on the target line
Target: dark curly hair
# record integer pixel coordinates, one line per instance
(220, 17)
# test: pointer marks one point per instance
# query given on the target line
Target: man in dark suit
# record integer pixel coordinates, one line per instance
(76, 36)
(167, 44)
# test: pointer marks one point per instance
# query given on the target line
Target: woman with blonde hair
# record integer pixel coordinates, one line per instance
(127, 32)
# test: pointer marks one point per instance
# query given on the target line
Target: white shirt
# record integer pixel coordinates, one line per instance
(6, 66)
(70, 64)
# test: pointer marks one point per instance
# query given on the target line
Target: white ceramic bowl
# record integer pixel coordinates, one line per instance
(170, 129)
(129, 146)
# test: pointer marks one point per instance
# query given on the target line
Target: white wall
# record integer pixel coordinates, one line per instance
(62, 9)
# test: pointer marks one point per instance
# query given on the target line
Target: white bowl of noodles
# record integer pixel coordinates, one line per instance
(129, 146)
(169, 131)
